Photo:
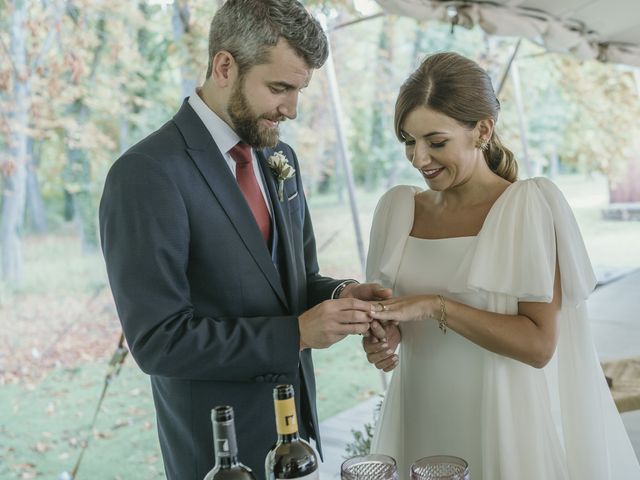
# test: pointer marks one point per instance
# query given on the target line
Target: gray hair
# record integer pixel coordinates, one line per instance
(248, 29)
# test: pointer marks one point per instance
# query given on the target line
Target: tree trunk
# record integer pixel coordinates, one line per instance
(79, 184)
(396, 161)
(554, 163)
(78, 178)
(125, 129)
(180, 22)
(15, 171)
(35, 204)
(379, 117)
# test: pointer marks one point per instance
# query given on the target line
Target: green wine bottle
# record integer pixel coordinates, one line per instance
(291, 456)
(227, 466)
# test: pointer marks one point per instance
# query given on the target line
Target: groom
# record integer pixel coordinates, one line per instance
(210, 250)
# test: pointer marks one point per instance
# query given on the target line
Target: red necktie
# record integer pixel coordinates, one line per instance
(241, 154)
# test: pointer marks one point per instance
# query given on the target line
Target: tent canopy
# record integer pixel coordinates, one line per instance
(607, 30)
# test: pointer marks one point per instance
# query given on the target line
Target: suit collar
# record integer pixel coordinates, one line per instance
(212, 165)
(193, 130)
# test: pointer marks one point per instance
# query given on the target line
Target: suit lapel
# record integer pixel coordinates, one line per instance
(280, 214)
(213, 167)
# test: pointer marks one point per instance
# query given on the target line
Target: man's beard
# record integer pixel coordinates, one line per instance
(245, 123)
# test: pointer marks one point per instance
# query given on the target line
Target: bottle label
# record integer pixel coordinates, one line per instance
(224, 437)
(286, 421)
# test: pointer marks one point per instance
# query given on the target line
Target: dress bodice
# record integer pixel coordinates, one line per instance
(442, 403)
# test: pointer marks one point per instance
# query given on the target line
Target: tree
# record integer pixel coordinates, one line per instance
(25, 58)
(605, 111)
(14, 168)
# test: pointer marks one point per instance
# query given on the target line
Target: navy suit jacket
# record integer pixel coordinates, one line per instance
(208, 311)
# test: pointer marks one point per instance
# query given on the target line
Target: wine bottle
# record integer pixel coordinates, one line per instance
(227, 466)
(291, 456)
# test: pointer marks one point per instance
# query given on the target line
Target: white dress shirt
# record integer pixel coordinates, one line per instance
(225, 138)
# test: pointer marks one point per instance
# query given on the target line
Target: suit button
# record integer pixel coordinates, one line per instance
(259, 379)
(281, 379)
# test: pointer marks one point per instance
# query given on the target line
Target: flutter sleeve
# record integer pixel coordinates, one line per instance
(540, 413)
(392, 222)
(528, 228)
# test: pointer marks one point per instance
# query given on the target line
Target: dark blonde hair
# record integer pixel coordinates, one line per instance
(459, 88)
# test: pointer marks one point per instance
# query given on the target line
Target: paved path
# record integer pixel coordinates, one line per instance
(614, 311)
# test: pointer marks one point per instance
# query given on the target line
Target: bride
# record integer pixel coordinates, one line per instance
(490, 274)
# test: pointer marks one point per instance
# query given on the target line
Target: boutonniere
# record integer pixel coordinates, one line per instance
(282, 169)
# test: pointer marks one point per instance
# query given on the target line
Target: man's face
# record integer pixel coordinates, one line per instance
(266, 95)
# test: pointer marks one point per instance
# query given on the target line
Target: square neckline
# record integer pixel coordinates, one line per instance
(413, 215)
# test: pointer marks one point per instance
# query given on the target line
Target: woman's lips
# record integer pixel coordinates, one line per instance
(432, 173)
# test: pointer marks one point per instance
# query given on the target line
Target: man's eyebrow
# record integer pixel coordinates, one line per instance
(281, 84)
(286, 85)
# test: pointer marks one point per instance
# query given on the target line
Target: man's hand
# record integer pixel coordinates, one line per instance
(381, 345)
(332, 320)
(366, 291)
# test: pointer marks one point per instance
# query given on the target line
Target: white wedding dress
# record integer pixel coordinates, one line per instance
(449, 396)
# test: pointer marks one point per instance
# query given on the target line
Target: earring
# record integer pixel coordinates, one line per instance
(482, 144)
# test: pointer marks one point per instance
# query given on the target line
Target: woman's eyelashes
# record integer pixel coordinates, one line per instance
(409, 142)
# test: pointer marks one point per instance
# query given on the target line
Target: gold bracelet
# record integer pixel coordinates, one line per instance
(442, 323)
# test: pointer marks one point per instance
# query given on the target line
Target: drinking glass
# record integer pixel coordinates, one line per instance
(369, 467)
(440, 467)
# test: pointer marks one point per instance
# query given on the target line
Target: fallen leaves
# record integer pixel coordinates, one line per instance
(40, 333)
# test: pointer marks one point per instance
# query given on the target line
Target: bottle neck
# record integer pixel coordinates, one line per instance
(286, 420)
(226, 446)
(227, 463)
(288, 437)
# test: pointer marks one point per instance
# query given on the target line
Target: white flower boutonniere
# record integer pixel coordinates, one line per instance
(282, 169)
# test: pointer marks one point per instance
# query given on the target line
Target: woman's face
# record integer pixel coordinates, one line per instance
(440, 148)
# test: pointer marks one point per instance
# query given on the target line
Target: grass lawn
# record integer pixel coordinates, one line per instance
(57, 334)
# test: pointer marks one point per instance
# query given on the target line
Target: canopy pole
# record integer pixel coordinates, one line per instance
(344, 159)
(507, 68)
(522, 121)
(343, 153)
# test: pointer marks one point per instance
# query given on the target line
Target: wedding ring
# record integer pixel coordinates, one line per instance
(383, 306)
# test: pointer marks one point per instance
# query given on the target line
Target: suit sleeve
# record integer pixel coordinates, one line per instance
(145, 234)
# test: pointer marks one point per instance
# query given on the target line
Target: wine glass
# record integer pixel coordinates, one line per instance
(440, 467)
(369, 467)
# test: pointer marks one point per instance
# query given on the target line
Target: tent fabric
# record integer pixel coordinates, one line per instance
(606, 30)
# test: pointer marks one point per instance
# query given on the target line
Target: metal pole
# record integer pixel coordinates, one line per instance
(507, 69)
(344, 159)
(343, 156)
(522, 121)
(636, 77)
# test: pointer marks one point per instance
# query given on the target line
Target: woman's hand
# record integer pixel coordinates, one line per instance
(406, 309)
(381, 344)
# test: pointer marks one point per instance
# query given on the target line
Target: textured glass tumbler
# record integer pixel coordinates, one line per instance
(369, 467)
(441, 467)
